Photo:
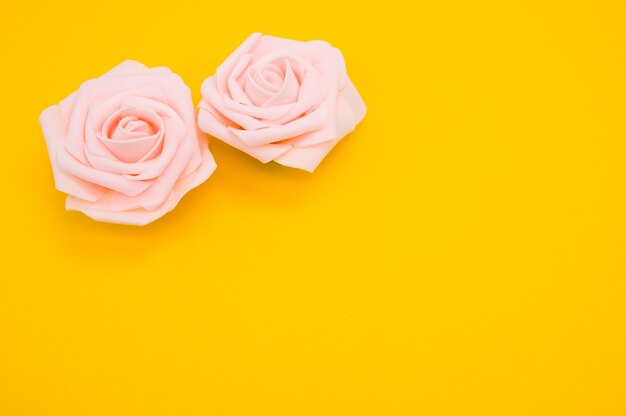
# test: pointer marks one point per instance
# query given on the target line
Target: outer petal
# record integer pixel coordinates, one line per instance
(211, 94)
(306, 158)
(101, 209)
(212, 123)
(310, 122)
(350, 111)
(350, 98)
(127, 67)
(54, 126)
(113, 181)
(270, 44)
(224, 70)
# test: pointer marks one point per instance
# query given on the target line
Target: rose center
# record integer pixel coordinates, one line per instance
(133, 134)
(272, 83)
(131, 127)
(270, 76)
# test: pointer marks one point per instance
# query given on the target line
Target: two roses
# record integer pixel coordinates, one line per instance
(126, 146)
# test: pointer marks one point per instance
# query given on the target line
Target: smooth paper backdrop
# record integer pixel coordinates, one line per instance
(461, 253)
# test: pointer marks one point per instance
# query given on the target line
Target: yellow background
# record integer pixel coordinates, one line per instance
(461, 253)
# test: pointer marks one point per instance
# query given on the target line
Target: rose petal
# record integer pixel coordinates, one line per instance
(306, 158)
(310, 122)
(212, 95)
(67, 105)
(351, 97)
(102, 109)
(54, 126)
(126, 68)
(108, 180)
(101, 210)
(268, 44)
(101, 158)
(267, 114)
(224, 70)
(288, 93)
(236, 92)
(124, 146)
(270, 77)
(328, 131)
(210, 123)
(311, 94)
(257, 94)
(161, 186)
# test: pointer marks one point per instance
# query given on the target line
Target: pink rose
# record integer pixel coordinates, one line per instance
(125, 147)
(281, 100)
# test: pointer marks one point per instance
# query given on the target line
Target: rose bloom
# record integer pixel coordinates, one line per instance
(282, 100)
(125, 147)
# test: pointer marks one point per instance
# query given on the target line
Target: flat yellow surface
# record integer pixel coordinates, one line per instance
(463, 252)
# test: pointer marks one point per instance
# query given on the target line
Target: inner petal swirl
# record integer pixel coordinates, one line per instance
(133, 134)
(272, 83)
